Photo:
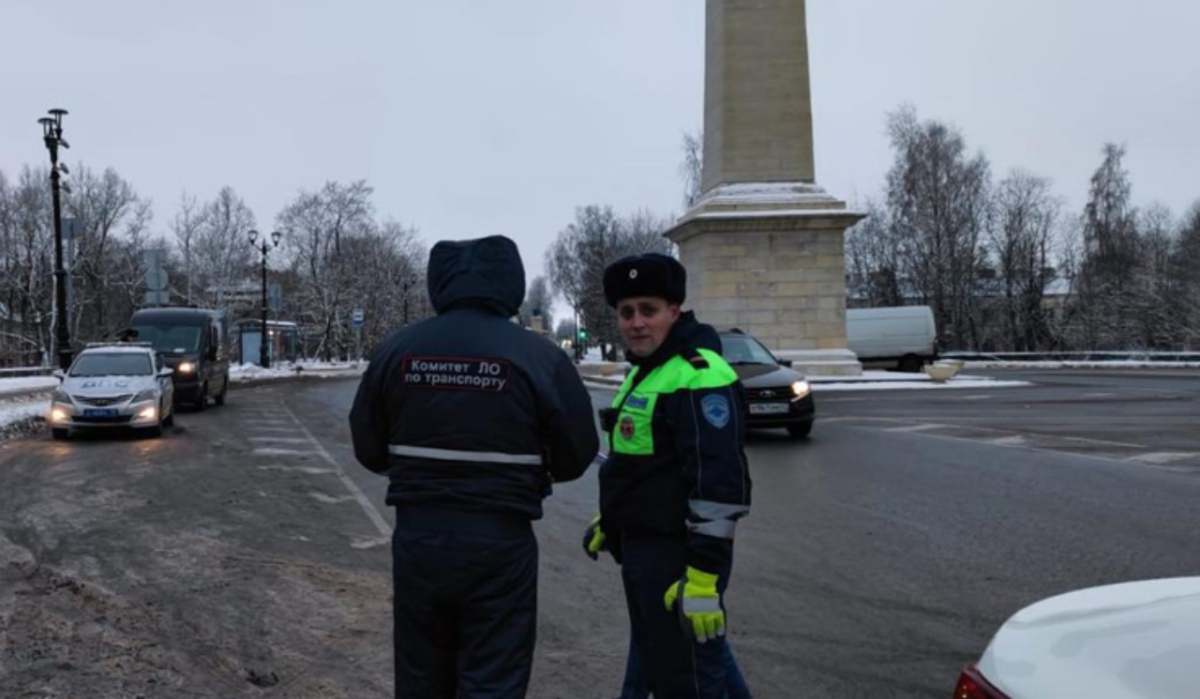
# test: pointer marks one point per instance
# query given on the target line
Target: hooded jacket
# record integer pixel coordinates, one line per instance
(676, 464)
(468, 410)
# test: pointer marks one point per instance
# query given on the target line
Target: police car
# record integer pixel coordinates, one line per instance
(1133, 640)
(110, 386)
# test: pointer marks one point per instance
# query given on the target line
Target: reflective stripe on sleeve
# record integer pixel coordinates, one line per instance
(707, 509)
(481, 457)
(720, 529)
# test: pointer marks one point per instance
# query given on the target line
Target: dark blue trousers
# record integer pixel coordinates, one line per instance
(673, 665)
(465, 605)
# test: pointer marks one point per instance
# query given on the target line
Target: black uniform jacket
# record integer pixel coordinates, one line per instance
(469, 410)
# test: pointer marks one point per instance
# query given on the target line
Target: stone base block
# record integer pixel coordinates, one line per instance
(823, 362)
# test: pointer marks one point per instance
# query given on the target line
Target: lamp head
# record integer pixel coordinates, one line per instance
(275, 236)
(253, 236)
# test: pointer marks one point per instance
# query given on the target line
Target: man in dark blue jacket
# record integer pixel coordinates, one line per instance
(472, 418)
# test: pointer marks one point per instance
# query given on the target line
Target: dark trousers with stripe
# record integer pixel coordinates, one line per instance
(675, 666)
(465, 604)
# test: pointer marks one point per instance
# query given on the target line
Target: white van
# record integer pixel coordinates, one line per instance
(903, 338)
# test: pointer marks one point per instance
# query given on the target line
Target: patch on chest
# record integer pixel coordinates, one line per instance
(637, 402)
(628, 428)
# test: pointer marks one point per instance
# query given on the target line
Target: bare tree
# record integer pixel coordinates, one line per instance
(222, 257)
(873, 261)
(317, 224)
(1022, 240)
(938, 202)
(103, 205)
(576, 261)
(1111, 257)
(187, 225)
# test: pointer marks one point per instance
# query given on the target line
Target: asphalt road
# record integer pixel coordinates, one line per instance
(243, 555)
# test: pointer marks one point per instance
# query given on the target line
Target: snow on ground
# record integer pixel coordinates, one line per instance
(1082, 365)
(26, 383)
(239, 373)
(914, 382)
(874, 381)
(15, 415)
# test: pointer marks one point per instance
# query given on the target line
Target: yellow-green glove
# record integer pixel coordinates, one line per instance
(699, 604)
(594, 540)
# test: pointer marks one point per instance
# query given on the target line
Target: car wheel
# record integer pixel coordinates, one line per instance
(202, 399)
(800, 431)
(220, 397)
(911, 364)
(60, 433)
(169, 420)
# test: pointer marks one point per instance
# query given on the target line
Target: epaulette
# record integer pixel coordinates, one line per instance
(698, 361)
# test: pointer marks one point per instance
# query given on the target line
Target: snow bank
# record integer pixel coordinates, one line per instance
(241, 373)
(913, 384)
(27, 383)
(870, 381)
(16, 415)
(1115, 364)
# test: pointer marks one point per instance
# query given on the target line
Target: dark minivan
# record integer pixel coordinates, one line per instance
(193, 342)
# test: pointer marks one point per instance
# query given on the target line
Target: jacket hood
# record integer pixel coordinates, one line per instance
(686, 336)
(486, 272)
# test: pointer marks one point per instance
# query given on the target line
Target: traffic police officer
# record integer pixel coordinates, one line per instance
(675, 482)
(472, 418)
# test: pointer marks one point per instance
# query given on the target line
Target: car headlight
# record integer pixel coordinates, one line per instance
(801, 389)
(60, 396)
(145, 395)
(185, 367)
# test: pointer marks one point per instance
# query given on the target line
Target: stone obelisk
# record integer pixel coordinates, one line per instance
(764, 245)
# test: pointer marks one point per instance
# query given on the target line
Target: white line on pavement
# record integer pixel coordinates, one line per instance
(269, 451)
(916, 428)
(307, 470)
(372, 513)
(1160, 458)
(290, 440)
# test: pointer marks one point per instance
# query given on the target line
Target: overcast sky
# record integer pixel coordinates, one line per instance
(473, 117)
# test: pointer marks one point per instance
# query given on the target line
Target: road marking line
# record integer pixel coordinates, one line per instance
(366, 505)
(310, 470)
(1015, 440)
(1160, 458)
(1101, 442)
(916, 428)
(331, 499)
(292, 440)
(269, 451)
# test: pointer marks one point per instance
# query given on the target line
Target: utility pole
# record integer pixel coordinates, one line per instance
(264, 357)
(52, 134)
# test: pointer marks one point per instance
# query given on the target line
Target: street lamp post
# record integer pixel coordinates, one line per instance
(52, 133)
(264, 358)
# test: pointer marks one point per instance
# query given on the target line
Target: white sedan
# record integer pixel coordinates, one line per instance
(1137, 640)
(123, 385)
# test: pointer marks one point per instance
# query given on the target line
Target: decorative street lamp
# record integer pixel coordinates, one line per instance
(264, 359)
(52, 133)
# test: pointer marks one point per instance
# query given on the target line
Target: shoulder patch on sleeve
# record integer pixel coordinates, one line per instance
(715, 408)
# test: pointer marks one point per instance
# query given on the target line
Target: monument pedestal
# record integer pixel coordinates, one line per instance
(764, 246)
(769, 259)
